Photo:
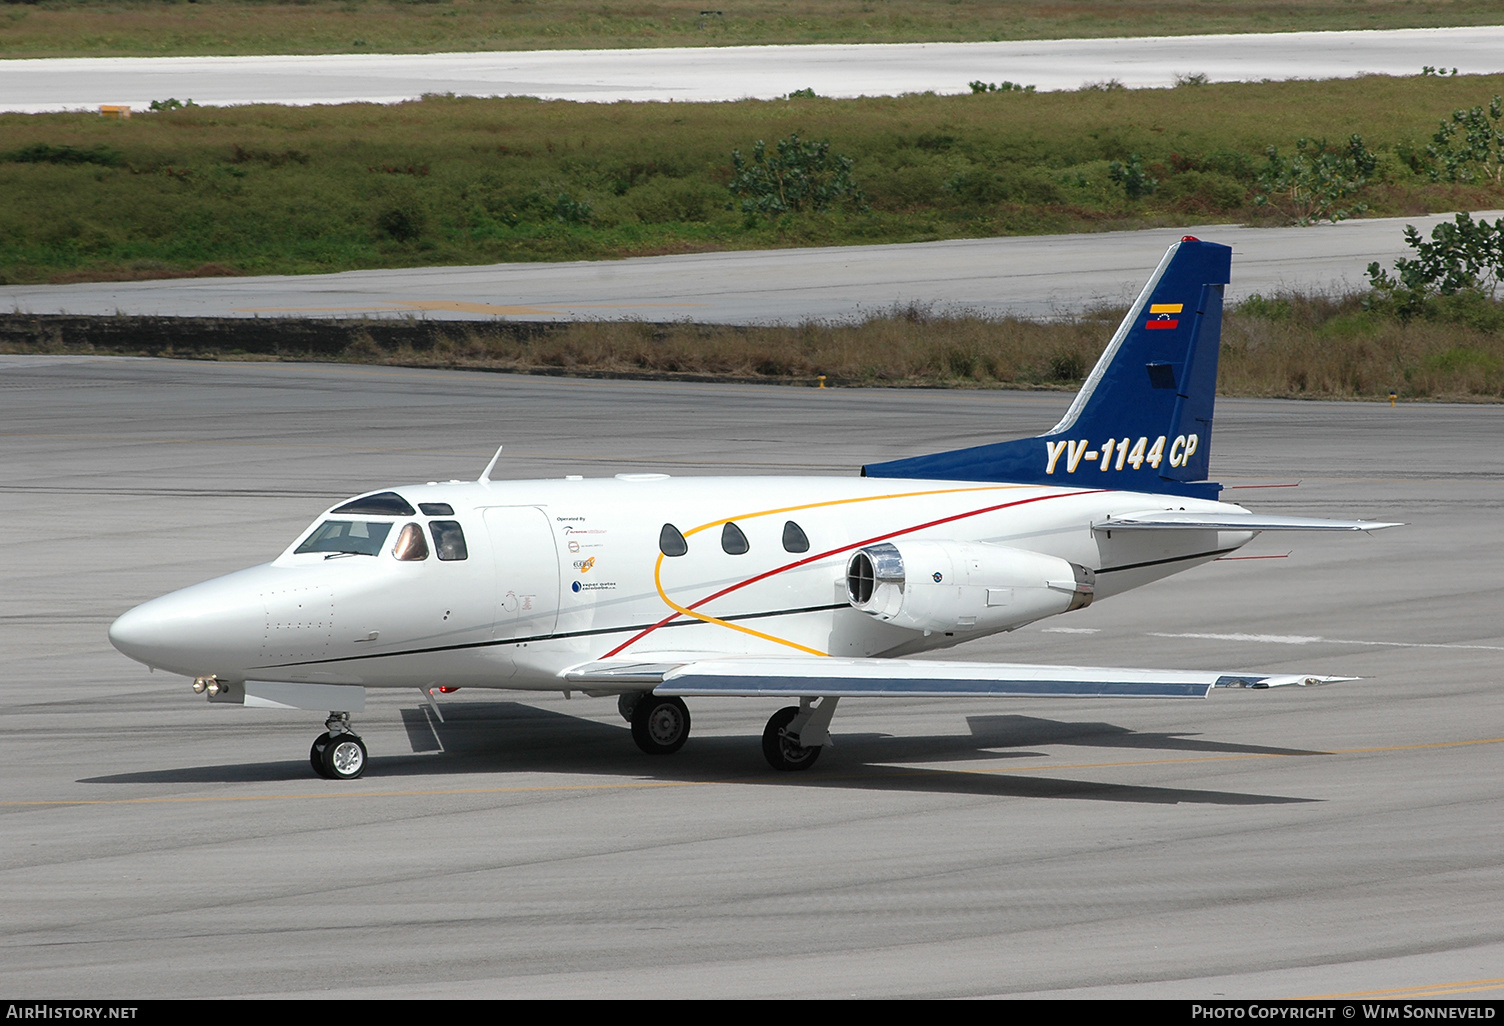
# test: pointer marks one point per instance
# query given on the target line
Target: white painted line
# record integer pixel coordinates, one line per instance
(1301, 639)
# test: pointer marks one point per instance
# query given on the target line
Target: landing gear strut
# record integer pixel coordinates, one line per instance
(339, 754)
(626, 702)
(660, 723)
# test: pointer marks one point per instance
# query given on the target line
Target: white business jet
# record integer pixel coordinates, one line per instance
(814, 589)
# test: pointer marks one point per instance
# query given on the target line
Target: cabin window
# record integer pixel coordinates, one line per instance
(733, 541)
(382, 504)
(448, 539)
(671, 542)
(436, 509)
(358, 537)
(793, 538)
(411, 546)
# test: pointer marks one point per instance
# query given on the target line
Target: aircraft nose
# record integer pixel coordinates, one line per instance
(140, 632)
(214, 627)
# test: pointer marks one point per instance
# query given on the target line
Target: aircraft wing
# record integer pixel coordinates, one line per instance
(1180, 520)
(797, 676)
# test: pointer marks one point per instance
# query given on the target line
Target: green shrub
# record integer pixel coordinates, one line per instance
(1006, 184)
(42, 153)
(1203, 191)
(672, 200)
(799, 176)
(1000, 87)
(403, 222)
(1470, 145)
(1308, 185)
(1462, 256)
(1136, 182)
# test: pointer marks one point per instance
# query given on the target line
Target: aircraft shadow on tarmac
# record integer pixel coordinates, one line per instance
(506, 737)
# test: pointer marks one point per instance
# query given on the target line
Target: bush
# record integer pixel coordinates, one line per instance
(1462, 256)
(572, 211)
(801, 175)
(1479, 151)
(672, 200)
(982, 186)
(1309, 185)
(1000, 87)
(1203, 192)
(1135, 181)
(42, 153)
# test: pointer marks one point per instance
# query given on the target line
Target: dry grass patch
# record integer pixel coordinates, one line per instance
(1285, 346)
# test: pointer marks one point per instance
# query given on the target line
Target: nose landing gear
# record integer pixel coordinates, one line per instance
(339, 754)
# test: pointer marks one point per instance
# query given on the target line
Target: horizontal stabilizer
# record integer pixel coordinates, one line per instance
(798, 676)
(1180, 520)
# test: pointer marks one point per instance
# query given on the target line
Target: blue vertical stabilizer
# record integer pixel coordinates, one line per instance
(1143, 420)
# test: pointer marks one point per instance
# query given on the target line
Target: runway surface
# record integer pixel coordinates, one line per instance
(1036, 276)
(738, 72)
(1258, 844)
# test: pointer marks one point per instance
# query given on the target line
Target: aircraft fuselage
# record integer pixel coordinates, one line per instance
(563, 572)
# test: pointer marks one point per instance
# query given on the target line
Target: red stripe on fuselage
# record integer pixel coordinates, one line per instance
(844, 548)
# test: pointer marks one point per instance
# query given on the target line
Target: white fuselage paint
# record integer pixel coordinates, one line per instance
(566, 572)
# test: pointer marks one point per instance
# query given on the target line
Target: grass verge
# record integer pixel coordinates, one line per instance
(1287, 346)
(132, 28)
(277, 190)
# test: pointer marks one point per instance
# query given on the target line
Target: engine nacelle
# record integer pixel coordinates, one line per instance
(963, 586)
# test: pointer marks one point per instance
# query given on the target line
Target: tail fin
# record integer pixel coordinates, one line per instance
(1143, 420)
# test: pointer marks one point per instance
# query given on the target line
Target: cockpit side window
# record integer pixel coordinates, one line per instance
(733, 542)
(382, 504)
(671, 542)
(411, 546)
(359, 537)
(448, 539)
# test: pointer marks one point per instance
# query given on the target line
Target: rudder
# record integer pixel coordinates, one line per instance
(1143, 418)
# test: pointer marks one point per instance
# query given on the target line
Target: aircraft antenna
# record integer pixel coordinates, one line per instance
(485, 475)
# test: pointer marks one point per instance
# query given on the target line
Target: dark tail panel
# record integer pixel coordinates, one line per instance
(1143, 419)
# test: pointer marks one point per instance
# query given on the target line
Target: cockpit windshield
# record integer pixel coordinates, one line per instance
(358, 537)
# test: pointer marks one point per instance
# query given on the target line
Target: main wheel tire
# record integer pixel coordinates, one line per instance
(344, 757)
(316, 755)
(781, 752)
(660, 725)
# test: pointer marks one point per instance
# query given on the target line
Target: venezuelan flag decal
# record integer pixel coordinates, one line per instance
(1160, 316)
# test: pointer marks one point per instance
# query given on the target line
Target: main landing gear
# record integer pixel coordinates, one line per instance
(782, 750)
(792, 740)
(795, 734)
(660, 723)
(339, 754)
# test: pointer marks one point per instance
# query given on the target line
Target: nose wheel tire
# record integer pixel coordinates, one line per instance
(338, 757)
(781, 751)
(660, 724)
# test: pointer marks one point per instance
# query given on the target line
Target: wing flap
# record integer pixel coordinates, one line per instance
(620, 672)
(1180, 520)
